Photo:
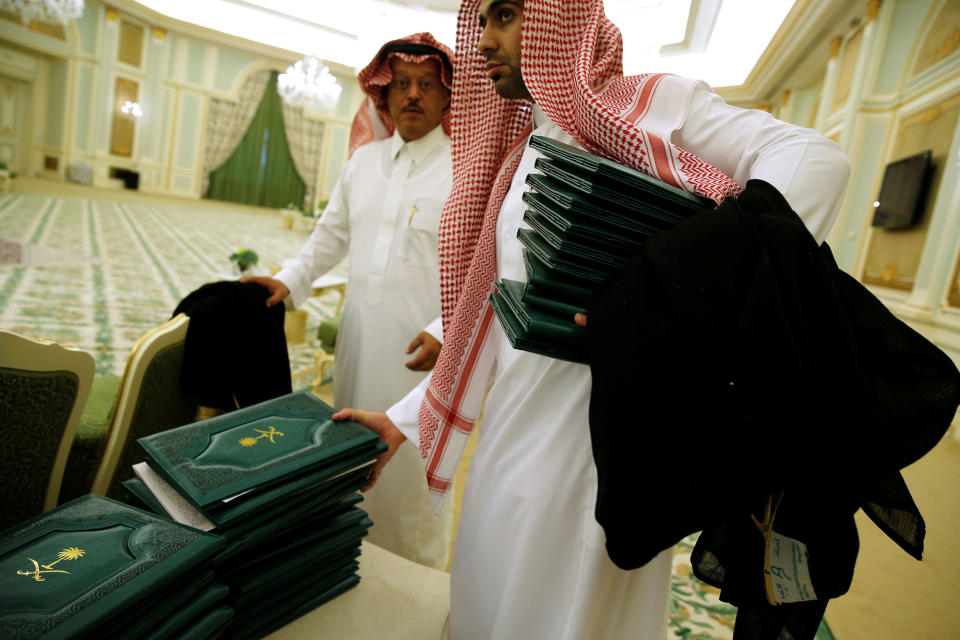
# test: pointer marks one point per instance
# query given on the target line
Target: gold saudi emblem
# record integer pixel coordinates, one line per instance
(249, 441)
(70, 553)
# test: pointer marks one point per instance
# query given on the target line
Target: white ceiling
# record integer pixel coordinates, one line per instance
(715, 40)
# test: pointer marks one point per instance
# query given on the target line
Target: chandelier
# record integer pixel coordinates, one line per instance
(47, 11)
(308, 84)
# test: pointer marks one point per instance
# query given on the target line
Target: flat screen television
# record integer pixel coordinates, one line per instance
(903, 192)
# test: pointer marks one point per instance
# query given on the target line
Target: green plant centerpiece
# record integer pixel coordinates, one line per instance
(245, 258)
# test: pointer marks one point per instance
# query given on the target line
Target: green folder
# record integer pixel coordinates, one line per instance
(284, 520)
(556, 285)
(519, 340)
(630, 222)
(274, 534)
(138, 622)
(572, 247)
(585, 274)
(537, 323)
(184, 618)
(263, 623)
(280, 581)
(233, 513)
(209, 627)
(600, 170)
(589, 232)
(278, 550)
(254, 447)
(76, 569)
(534, 297)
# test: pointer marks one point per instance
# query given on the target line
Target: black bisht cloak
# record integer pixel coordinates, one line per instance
(235, 353)
(734, 366)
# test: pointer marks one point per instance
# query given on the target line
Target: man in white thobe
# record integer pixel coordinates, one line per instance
(530, 560)
(384, 215)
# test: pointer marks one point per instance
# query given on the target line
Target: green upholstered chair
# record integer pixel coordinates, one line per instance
(90, 438)
(323, 360)
(43, 388)
(150, 400)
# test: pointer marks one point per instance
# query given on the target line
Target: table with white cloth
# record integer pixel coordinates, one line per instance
(396, 599)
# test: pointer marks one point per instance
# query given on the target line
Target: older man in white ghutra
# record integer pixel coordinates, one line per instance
(529, 560)
(384, 214)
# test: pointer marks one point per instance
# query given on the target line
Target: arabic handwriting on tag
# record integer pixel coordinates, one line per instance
(788, 570)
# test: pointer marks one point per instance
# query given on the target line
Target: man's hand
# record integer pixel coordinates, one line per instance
(381, 425)
(278, 290)
(429, 350)
(580, 319)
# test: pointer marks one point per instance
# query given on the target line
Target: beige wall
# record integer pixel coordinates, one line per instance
(882, 78)
(66, 87)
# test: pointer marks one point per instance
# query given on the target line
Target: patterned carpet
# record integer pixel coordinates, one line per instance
(98, 273)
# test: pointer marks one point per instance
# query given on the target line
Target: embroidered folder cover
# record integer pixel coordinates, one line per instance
(573, 247)
(518, 338)
(628, 221)
(72, 570)
(252, 447)
(556, 285)
(583, 274)
(533, 297)
(595, 170)
(537, 323)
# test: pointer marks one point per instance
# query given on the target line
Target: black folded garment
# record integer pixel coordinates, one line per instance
(797, 396)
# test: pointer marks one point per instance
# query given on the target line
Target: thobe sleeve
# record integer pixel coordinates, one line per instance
(811, 171)
(435, 328)
(404, 413)
(324, 249)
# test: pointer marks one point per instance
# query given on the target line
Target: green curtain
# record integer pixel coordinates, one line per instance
(260, 171)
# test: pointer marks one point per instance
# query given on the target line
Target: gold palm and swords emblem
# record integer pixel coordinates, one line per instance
(70, 553)
(269, 433)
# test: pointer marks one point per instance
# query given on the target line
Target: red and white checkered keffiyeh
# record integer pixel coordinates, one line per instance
(572, 66)
(373, 120)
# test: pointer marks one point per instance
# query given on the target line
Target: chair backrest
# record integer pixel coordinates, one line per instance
(43, 387)
(150, 400)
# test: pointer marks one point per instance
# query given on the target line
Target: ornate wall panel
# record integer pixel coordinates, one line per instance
(130, 49)
(124, 126)
(848, 65)
(894, 255)
(942, 40)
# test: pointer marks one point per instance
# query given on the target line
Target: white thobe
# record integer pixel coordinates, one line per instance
(384, 213)
(530, 560)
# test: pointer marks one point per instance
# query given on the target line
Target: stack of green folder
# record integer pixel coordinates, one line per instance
(97, 568)
(587, 216)
(279, 481)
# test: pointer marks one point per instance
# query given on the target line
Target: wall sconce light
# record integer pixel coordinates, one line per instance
(132, 109)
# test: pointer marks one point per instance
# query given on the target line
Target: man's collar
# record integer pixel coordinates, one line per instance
(539, 117)
(419, 148)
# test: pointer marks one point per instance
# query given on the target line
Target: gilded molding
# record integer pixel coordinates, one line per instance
(873, 9)
(763, 107)
(784, 97)
(947, 47)
(159, 33)
(835, 45)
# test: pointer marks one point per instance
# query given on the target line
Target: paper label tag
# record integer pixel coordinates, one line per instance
(787, 570)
